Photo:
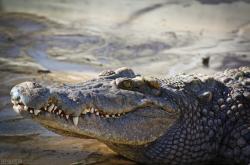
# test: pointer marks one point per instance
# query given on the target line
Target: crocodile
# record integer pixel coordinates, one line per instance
(183, 119)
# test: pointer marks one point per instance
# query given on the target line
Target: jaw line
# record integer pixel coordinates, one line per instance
(66, 126)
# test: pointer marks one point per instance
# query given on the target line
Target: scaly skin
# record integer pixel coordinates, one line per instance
(186, 119)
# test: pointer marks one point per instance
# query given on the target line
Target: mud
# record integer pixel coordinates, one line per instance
(64, 42)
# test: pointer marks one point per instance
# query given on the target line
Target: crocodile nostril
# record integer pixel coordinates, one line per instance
(15, 95)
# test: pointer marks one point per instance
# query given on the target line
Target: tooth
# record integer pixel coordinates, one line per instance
(60, 111)
(37, 111)
(31, 111)
(92, 110)
(55, 107)
(75, 120)
(87, 110)
(20, 108)
(97, 113)
(84, 112)
(14, 102)
(16, 109)
(118, 114)
(50, 108)
(67, 116)
(106, 115)
(26, 108)
(113, 115)
(45, 108)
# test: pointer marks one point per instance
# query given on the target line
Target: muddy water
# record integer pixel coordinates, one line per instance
(61, 41)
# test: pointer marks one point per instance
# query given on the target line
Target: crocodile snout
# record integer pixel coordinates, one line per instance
(20, 91)
(15, 95)
(28, 94)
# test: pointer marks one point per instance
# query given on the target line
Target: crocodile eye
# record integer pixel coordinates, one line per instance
(124, 83)
(127, 84)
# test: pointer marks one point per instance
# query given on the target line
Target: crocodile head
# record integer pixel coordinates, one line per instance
(117, 107)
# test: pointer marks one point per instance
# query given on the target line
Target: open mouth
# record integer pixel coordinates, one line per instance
(56, 110)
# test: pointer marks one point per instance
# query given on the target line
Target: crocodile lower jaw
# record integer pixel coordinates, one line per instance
(55, 110)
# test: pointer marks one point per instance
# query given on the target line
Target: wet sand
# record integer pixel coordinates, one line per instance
(64, 42)
(57, 150)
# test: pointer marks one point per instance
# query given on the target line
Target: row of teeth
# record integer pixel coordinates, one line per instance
(54, 109)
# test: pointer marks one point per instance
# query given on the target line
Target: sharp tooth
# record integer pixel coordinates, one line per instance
(97, 113)
(75, 120)
(113, 115)
(118, 114)
(92, 110)
(60, 111)
(67, 116)
(37, 111)
(14, 102)
(16, 109)
(50, 108)
(31, 111)
(106, 115)
(26, 108)
(20, 108)
(55, 107)
(87, 110)
(45, 108)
